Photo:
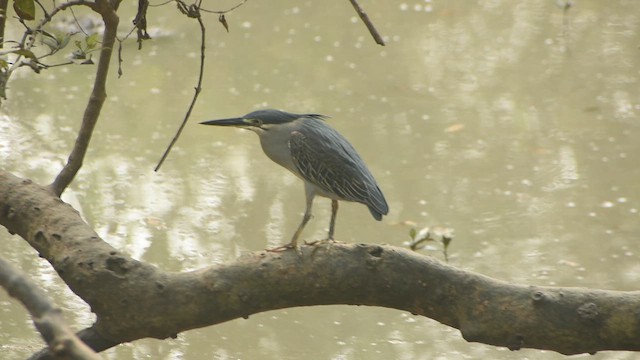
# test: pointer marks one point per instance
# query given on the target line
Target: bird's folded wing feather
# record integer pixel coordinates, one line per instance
(327, 160)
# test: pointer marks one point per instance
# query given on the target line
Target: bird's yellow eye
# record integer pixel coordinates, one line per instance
(255, 122)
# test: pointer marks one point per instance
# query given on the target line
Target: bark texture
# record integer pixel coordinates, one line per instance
(133, 300)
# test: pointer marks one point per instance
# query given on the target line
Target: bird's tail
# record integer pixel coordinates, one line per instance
(376, 214)
(379, 206)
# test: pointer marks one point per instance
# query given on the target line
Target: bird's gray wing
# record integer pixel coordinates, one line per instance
(326, 159)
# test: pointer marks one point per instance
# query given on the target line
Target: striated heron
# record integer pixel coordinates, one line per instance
(316, 153)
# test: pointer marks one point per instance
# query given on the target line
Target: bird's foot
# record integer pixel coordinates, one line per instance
(281, 248)
(321, 242)
(318, 244)
(291, 245)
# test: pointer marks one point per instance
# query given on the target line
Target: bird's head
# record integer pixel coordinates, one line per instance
(257, 120)
(262, 120)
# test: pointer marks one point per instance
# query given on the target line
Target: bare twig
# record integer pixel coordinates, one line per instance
(140, 22)
(221, 12)
(96, 99)
(365, 18)
(46, 14)
(162, 3)
(242, 2)
(192, 11)
(3, 20)
(65, 6)
(75, 19)
(120, 61)
(120, 41)
(47, 318)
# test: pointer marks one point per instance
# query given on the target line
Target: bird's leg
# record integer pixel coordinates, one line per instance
(293, 244)
(332, 225)
(296, 235)
(334, 213)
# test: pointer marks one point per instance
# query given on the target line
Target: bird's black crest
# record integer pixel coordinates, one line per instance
(272, 116)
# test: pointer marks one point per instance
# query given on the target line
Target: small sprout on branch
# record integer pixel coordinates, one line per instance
(78, 54)
(418, 237)
(446, 240)
(426, 234)
(85, 48)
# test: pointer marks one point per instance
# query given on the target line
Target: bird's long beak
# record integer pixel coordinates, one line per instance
(237, 122)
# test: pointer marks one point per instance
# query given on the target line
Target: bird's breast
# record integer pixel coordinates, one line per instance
(276, 147)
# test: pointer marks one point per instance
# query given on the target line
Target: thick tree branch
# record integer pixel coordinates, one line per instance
(98, 95)
(133, 299)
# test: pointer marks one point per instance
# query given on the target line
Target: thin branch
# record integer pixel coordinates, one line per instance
(96, 99)
(120, 41)
(140, 22)
(75, 19)
(203, 9)
(47, 318)
(193, 11)
(65, 6)
(162, 3)
(29, 37)
(46, 14)
(27, 42)
(365, 18)
(120, 60)
(3, 20)
(221, 12)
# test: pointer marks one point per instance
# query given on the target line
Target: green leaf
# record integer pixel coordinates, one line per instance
(63, 40)
(51, 42)
(4, 64)
(54, 42)
(26, 9)
(26, 53)
(412, 233)
(92, 41)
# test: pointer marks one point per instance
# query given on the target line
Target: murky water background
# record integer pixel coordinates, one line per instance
(514, 123)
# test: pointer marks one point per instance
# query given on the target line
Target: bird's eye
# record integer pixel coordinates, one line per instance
(255, 122)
